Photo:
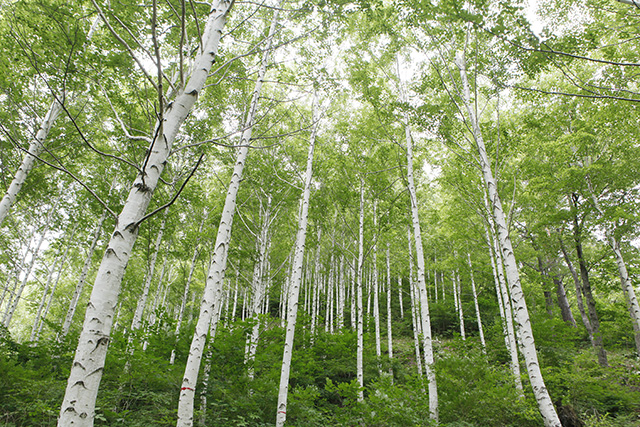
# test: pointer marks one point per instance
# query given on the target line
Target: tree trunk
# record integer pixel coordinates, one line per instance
(86, 372)
(142, 301)
(374, 283)
(43, 300)
(625, 279)
(294, 287)
(422, 287)
(457, 289)
(389, 329)
(185, 294)
(540, 392)
(11, 308)
(36, 147)
(415, 309)
(359, 268)
(475, 303)
(576, 281)
(215, 276)
(598, 345)
(504, 303)
(73, 304)
(13, 277)
(55, 283)
(258, 286)
(563, 302)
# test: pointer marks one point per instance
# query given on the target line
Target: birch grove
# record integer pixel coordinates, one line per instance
(467, 186)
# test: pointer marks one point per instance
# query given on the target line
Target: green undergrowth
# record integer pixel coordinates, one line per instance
(475, 389)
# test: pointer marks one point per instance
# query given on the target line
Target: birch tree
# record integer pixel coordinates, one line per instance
(78, 407)
(545, 404)
(295, 283)
(215, 276)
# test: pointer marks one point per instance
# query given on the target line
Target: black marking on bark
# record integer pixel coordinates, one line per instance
(141, 186)
(193, 93)
(102, 341)
(80, 383)
(111, 252)
(131, 228)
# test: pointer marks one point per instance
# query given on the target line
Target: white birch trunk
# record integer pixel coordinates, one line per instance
(625, 279)
(187, 287)
(475, 303)
(43, 300)
(360, 332)
(215, 276)
(14, 276)
(86, 372)
(389, 328)
(341, 293)
(151, 319)
(34, 256)
(73, 304)
(457, 290)
(258, 287)
(55, 284)
(235, 297)
(142, 301)
(400, 297)
(294, 288)
(415, 307)
(424, 302)
(352, 300)
(376, 296)
(35, 149)
(509, 314)
(545, 404)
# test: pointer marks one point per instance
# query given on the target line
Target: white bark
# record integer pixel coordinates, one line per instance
(185, 294)
(294, 287)
(12, 278)
(55, 284)
(376, 297)
(625, 279)
(34, 256)
(389, 329)
(545, 404)
(509, 314)
(422, 287)
(142, 301)
(456, 291)
(45, 293)
(415, 307)
(73, 304)
(352, 300)
(86, 372)
(475, 302)
(215, 276)
(360, 316)
(400, 297)
(35, 149)
(258, 286)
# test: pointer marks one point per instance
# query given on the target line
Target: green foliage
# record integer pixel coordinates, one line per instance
(468, 386)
